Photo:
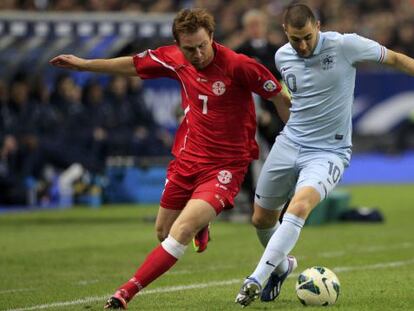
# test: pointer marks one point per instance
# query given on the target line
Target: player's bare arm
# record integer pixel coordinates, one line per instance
(282, 104)
(120, 65)
(400, 62)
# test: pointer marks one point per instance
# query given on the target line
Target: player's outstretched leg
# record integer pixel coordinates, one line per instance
(201, 239)
(249, 292)
(159, 261)
(274, 284)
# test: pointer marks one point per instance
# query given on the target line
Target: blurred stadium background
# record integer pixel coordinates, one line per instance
(80, 138)
(83, 139)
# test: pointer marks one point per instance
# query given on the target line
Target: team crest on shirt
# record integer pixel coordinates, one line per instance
(219, 88)
(269, 86)
(328, 61)
(224, 177)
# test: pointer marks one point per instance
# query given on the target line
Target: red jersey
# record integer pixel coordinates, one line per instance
(220, 120)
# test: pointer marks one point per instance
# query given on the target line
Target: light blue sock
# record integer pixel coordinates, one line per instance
(279, 246)
(264, 235)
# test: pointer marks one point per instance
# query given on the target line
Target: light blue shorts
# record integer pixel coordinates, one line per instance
(290, 167)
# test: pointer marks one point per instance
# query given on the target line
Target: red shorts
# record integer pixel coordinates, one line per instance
(216, 183)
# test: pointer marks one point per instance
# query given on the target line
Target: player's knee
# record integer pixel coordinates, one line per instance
(260, 221)
(186, 231)
(301, 208)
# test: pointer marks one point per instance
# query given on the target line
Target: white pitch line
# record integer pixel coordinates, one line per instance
(87, 282)
(369, 249)
(331, 254)
(383, 265)
(170, 289)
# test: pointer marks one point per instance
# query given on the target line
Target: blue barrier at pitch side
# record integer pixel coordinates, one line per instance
(380, 169)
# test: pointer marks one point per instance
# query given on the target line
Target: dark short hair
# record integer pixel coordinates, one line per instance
(297, 15)
(189, 21)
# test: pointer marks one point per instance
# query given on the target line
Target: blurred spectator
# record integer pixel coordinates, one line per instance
(22, 111)
(63, 93)
(405, 37)
(377, 19)
(99, 118)
(122, 117)
(132, 129)
(256, 42)
(93, 5)
(4, 96)
(17, 140)
(13, 190)
(258, 46)
(10, 5)
(163, 6)
(63, 130)
(8, 143)
(163, 139)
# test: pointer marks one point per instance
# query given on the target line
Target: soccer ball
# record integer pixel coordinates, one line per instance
(317, 286)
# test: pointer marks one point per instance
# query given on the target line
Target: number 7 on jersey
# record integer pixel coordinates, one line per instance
(204, 98)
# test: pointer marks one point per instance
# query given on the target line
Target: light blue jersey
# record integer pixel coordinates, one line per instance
(322, 89)
(315, 145)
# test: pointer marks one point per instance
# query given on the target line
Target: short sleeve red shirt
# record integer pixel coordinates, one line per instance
(220, 121)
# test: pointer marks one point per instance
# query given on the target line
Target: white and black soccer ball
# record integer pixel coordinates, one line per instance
(317, 286)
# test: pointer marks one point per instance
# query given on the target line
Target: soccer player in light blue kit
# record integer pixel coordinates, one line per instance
(309, 156)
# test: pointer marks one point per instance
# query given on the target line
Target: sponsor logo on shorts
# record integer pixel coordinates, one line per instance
(269, 86)
(285, 68)
(219, 88)
(224, 177)
(142, 54)
(218, 197)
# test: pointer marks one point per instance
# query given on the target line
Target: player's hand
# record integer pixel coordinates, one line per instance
(68, 61)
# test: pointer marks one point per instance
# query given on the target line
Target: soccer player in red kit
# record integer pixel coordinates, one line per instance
(214, 143)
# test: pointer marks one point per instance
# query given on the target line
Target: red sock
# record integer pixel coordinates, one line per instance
(157, 263)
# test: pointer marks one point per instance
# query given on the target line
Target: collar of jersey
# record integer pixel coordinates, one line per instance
(318, 47)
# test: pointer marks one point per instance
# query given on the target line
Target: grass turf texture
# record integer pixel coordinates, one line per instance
(79, 256)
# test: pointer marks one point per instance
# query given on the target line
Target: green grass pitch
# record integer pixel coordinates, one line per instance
(73, 259)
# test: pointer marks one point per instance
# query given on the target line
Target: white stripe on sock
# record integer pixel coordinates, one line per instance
(173, 247)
